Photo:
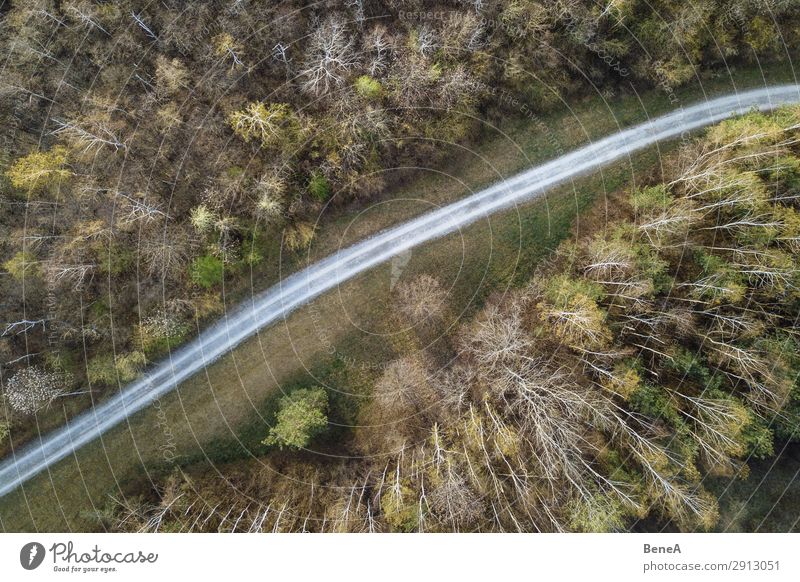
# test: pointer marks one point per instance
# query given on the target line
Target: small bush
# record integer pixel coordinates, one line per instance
(319, 187)
(207, 305)
(117, 260)
(651, 198)
(104, 369)
(101, 370)
(252, 257)
(299, 236)
(129, 365)
(33, 388)
(202, 219)
(368, 87)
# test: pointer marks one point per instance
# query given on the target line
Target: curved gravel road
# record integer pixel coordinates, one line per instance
(301, 287)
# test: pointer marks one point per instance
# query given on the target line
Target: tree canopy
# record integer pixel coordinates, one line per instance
(301, 417)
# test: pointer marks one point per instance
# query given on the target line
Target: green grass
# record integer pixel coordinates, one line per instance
(222, 414)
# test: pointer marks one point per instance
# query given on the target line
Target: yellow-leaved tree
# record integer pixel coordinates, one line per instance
(40, 170)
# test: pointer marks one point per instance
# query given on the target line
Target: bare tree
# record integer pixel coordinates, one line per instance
(357, 6)
(83, 13)
(379, 46)
(670, 224)
(271, 191)
(227, 47)
(138, 209)
(454, 501)
(171, 75)
(413, 79)
(426, 40)
(404, 390)
(137, 18)
(90, 140)
(280, 53)
(165, 253)
(331, 55)
(75, 275)
(22, 326)
(422, 300)
(497, 336)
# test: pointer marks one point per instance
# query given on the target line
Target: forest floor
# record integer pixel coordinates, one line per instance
(223, 414)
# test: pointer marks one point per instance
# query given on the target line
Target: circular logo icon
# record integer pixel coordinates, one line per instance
(31, 555)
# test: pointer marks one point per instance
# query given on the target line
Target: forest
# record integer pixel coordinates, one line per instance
(642, 358)
(154, 156)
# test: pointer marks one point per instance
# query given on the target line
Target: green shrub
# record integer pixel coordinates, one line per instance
(368, 87)
(654, 402)
(252, 257)
(399, 508)
(651, 198)
(758, 438)
(319, 187)
(117, 260)
(234, 172)
(563, 289)
(206, 271)
(129, 365)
